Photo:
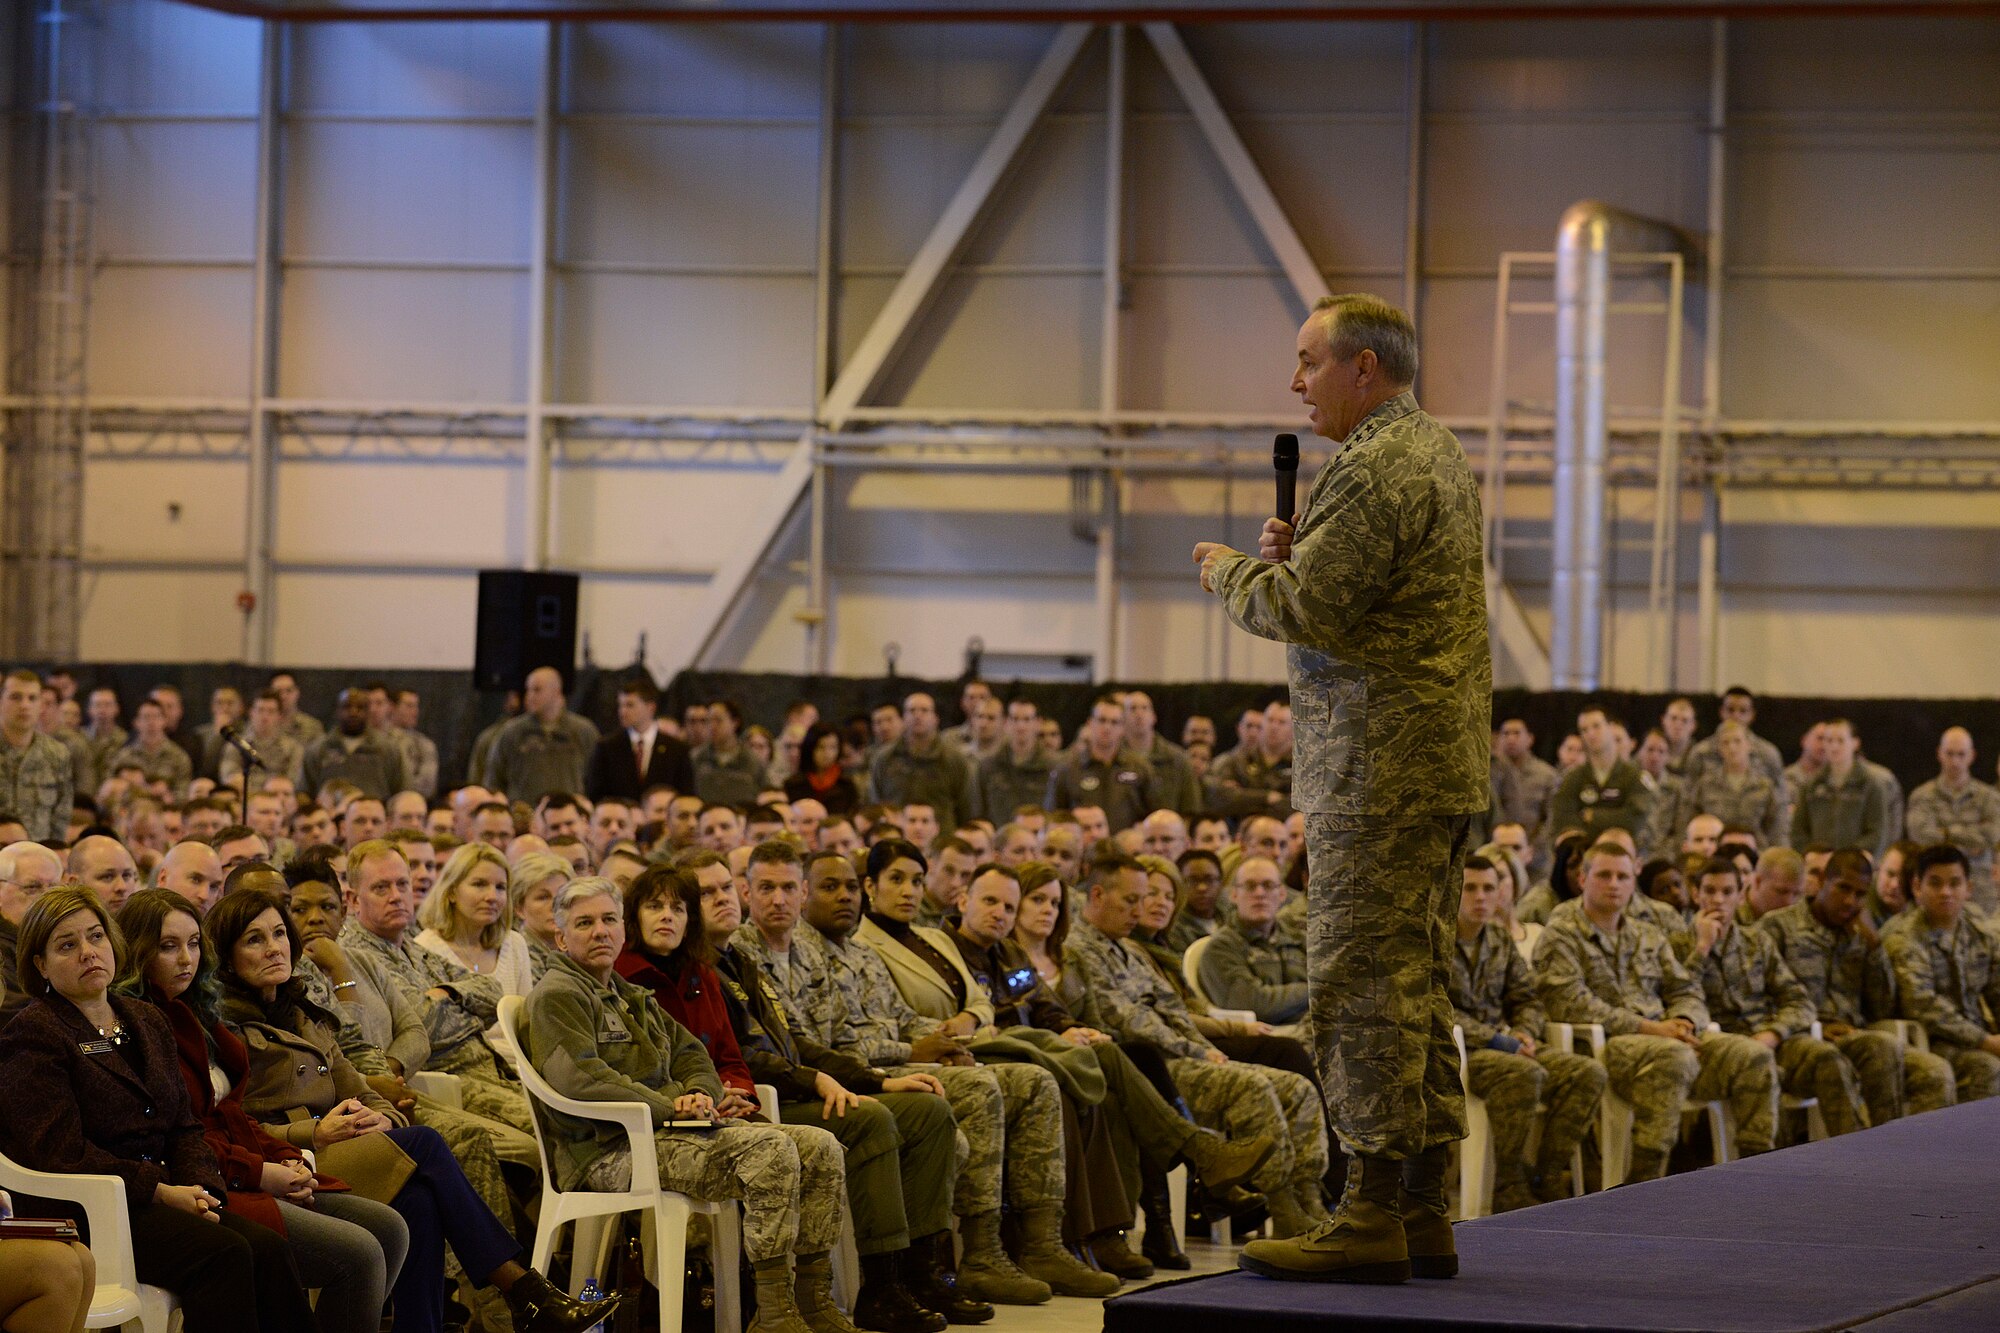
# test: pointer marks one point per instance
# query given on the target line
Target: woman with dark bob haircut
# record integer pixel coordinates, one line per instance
(667, 951)
(305, 1092)
(348, 1247)
(94, 1087)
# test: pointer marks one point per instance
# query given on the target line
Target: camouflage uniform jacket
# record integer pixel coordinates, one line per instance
(37, 781)
(1846, 979)
(1121, 786)
(1587, 976)
(1521, 792)
(1764, 757)
(1005, 784)
(1123, 995)
(1851, 813)
(365, 1056)
(1264, 973)
(169, 764)
(1493, 988)
(881, 1024)
(530, 758)
(1383, 608)
(606, 1041)
(1942, 975)
(1241, 781)
(1968, 819)
(776, 1054)
(1749, 989)
(101, 746)
(471, 1002)
(941, 779)
(1757, 803)
(809, 989)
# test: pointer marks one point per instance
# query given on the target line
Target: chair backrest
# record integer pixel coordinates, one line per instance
(635, 1118)
(506, 1032)
(102, 1199)
(1191, 968)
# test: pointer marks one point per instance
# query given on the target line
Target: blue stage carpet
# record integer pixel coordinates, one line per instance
(1899, 1225)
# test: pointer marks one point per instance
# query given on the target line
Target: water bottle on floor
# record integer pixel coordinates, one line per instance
(589, 1295)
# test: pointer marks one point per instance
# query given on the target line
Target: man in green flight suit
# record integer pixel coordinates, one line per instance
(1379, 593)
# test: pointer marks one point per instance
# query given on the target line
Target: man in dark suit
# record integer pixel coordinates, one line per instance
(639, 754)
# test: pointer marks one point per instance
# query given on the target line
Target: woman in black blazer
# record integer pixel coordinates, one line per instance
(93, 1087)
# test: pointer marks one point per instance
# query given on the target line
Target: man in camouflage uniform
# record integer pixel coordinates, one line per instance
(1380, 598)
(1175, 786)
(598, 1037)
(1598, 963)
(1523, 783)
(1493, 999)
(1945, 967)
(1750, 991)
(1829, 946)
(1102, 772)
(1255, 778)
(37, 772)
(840, 994)
(1844, 806)
(1017, 774)
(457, 1005)
(1253, 962)
(1957, 808)
(1122, 994)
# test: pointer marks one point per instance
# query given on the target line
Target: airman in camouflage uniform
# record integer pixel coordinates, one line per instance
(608, 1040)
(1944, 962)
(1756, 802)
(1380, 599)
(1847, 979)
(1493, 998)
(1750, 991)
(1957, 808)
(1122, 995)
(455, 1024)
(36, 780)
(1627, 979)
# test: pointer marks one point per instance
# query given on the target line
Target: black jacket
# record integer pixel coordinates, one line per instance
(612, 770)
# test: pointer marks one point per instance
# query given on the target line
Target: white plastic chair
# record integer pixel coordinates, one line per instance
(589, 1209)
(119, 1298)
(444, 1089)
(1478, 1167)
(1815, 1118)
(1614, 1116)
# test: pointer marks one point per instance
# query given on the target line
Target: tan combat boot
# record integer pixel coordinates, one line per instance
(1426, 1224)
(1362, 1243)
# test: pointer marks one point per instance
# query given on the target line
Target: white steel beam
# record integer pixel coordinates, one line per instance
(1109, 348)
(877, 350)
(259, 522)
(535, 435)
(1276, 229)
(919, 284)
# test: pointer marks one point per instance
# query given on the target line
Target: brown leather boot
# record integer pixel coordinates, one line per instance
(1426, 1219)
(1363, 1242)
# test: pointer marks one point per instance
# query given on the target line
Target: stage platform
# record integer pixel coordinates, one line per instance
(1896, 1228)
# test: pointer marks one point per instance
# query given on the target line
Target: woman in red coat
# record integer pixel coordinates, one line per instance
(667, 952)
(349, 1247)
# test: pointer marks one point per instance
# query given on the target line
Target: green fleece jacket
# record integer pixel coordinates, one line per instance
(600, 1042)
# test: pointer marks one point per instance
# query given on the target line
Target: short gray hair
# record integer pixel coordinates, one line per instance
(14, 853)
(577, 890)
(1359, 321)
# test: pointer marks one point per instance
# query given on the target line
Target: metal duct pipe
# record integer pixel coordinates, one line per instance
(1590, 234)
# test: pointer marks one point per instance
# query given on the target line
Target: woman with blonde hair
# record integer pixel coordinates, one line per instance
(532, 885)
(468, 919)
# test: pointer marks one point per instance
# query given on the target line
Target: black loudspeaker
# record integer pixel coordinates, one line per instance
(526, 620)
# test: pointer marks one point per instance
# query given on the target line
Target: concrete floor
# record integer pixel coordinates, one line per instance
(1072, 1314)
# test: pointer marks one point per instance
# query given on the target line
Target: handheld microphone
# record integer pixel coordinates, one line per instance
(234, 735)
(1285, 458)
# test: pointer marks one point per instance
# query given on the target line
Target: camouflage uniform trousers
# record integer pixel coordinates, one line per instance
(1658, 1076)
(1977, 1071)
(1516, 1088)
(1877, 1058)
(1011, 1118)
(1381, 925)
(789, 1177)
(1241, 1100)
(1929, 1082)
(484, 1088)
(1809, 1066)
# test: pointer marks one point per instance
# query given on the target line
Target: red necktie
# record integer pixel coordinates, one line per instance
(639, 757)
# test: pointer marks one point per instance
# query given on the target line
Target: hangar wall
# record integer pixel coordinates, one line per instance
(729, 208)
